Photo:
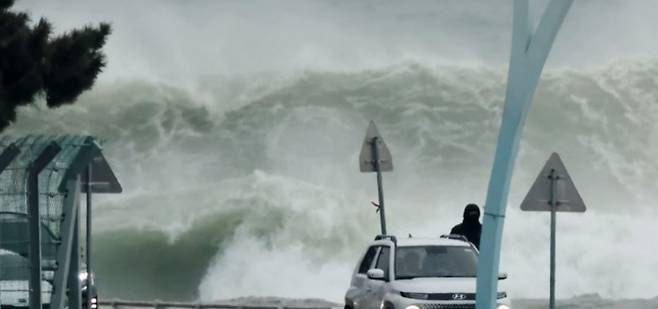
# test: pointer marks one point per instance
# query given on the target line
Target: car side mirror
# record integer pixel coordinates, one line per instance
(502, 276)
(376, 274)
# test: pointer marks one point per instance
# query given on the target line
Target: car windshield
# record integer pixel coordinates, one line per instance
(435, 261)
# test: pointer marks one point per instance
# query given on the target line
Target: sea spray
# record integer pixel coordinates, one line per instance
(227, 196)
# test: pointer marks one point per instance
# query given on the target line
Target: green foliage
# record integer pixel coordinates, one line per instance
(32, 63)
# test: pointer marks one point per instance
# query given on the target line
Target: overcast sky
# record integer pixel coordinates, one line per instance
(172, 39)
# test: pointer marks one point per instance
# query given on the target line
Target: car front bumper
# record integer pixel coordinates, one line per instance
(399, 302)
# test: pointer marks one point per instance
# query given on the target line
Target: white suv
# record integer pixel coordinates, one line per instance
(417, 273)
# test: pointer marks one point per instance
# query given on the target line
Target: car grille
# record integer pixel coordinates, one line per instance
(449, 306)
(451, 296)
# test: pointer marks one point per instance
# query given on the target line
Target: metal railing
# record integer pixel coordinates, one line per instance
(120, 304)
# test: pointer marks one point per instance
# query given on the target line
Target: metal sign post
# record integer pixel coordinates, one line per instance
(553, 177)
(529, 52)
(380, 190)
(553, 191)
(375, 157)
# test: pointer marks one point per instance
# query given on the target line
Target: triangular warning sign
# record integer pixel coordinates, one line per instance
(366, 159)
(539, 197)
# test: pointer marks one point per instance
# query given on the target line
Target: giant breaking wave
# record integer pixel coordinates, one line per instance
(251, 186)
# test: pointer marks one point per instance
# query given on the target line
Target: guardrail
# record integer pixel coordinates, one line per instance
(120, 304)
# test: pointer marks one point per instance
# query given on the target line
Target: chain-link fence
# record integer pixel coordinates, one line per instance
(15, 235)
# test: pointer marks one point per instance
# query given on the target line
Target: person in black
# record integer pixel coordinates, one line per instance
(470, 227)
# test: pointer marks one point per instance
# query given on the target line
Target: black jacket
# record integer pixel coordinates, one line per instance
(470, 227)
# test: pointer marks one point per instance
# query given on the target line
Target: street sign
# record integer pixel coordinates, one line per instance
(366, 158)
(375, 157)
(553, 191)
(539, 196)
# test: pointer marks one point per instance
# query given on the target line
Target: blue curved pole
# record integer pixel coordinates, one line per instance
(529, 52)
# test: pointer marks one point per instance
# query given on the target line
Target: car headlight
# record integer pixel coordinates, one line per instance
(502, 307)
(94, 300)
(414, 295)
(412, 307)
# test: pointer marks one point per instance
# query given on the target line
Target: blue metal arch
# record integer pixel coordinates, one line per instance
(529, 53)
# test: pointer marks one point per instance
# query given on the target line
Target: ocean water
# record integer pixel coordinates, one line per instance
(249, 186)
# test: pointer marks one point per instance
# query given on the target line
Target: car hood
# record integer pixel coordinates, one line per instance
(435, 285)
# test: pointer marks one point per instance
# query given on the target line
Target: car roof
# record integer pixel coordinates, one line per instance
(423, 241)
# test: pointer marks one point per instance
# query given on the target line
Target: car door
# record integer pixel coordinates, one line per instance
(359, 290)
(377, 288)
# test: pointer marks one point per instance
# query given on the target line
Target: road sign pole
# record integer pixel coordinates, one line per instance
(375, 157)
(380, 189)
(552, 188)
(554, 200)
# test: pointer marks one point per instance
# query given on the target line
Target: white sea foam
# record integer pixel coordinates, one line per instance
(264, 191)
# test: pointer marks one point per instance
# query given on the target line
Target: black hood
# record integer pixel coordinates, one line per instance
(471, 213)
